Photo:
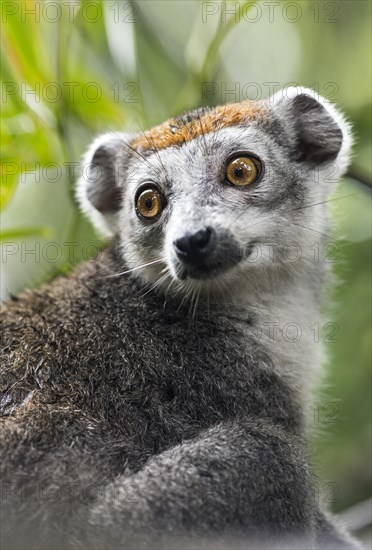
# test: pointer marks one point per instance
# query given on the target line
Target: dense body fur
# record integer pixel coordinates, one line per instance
(128, 423)
(123, 391)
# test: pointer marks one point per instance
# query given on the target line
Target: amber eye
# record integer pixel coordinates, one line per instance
(149, 203)
(242, 171)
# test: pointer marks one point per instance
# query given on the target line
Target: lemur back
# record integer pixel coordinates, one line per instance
(147, 401)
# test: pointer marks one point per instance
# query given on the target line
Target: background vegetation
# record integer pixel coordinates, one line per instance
(74, 69)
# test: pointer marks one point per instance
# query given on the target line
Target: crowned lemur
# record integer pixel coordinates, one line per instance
(156, 396)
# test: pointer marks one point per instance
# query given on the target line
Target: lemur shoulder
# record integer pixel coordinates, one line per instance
(145, 402)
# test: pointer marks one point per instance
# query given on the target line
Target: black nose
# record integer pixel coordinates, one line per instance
(196, 247)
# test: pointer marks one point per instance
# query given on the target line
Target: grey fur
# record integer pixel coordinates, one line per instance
(128, 423)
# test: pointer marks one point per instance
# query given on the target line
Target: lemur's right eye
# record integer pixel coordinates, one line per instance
(242, 171)
(149, 203)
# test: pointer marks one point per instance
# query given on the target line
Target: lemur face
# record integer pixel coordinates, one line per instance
(219, 193)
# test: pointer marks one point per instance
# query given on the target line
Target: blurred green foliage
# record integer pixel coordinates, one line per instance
(88, 67)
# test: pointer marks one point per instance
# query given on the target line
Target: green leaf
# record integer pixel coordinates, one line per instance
(25, 232)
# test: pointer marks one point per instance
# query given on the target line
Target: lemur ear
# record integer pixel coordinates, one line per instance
(318, 131)
(99, 189)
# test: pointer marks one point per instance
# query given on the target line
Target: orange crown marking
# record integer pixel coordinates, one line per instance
(176, 132)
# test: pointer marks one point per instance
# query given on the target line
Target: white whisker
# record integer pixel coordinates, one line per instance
(134, 269)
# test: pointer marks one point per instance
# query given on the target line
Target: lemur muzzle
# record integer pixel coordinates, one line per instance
(195, 248)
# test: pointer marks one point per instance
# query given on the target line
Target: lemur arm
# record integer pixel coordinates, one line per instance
(235, 486)
(243, 479)
(240, 484)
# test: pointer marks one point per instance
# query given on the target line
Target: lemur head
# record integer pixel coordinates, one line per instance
(219, 194)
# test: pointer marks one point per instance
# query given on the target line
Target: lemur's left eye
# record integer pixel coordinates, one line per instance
(149, 203)
(242, 171)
